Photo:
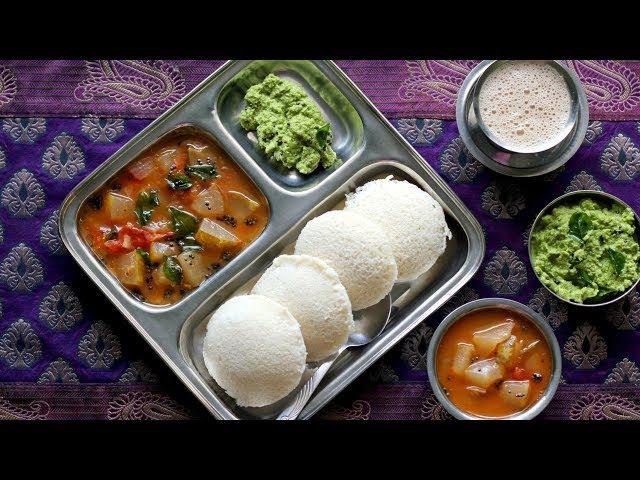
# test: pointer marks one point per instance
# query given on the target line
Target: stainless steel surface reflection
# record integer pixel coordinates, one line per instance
(538, 320)
(504, 159)
(369, 147)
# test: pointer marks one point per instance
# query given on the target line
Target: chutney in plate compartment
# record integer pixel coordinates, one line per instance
(494, 363)
(173, 217)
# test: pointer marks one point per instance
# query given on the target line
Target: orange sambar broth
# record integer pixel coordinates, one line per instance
(230, 177)
(490, 404)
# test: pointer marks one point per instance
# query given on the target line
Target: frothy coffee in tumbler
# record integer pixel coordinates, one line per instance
(525, 104)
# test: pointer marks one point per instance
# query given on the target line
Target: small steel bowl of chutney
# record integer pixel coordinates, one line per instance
(584, 248)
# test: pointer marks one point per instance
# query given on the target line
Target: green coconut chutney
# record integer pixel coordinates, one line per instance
(586, 251)
(289, 125)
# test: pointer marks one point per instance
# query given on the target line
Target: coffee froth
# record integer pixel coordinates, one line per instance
(525, 104)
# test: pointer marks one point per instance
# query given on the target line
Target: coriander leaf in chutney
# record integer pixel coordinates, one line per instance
(579, 224)
(586, 250)
(617, 260)
(289, 125)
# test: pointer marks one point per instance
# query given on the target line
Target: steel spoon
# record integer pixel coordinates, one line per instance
(369, 323)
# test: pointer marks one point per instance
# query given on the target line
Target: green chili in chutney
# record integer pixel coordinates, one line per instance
(587, 250)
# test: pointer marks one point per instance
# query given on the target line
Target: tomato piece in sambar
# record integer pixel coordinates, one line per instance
(173, 217)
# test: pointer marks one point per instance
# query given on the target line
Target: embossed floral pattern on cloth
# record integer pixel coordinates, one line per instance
(112, 88)
(429, 88)
(399, 88)
(65, 351)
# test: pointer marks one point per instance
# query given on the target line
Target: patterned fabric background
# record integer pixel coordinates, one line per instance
(66, 353)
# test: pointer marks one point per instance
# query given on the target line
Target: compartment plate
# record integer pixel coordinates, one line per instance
(381, 150)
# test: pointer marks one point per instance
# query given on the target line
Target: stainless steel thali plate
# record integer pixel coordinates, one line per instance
(369, 148)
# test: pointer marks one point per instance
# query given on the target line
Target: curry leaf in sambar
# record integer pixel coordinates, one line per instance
(189, 243)
(144, 255)
(183, 222)
(147, 201)
(179, 181)
(172, 269)
(203, 172)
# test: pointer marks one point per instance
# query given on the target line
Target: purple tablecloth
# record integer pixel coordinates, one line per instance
(66, 353)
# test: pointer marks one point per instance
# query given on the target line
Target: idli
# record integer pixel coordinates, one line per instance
(412, 220)
(311, 291)
(254, 349)
(357, 249)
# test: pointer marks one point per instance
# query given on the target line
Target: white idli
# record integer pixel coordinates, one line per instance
(254, 349)
(412, 220)
(311, 291)
(357, 249)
